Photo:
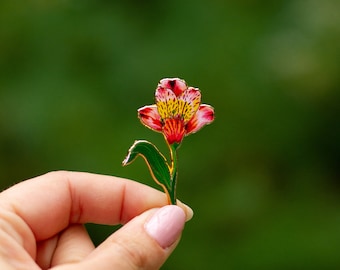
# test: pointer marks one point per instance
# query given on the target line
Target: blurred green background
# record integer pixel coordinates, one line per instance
(263, 179)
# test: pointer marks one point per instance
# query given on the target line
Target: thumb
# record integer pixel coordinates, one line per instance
(145, 242)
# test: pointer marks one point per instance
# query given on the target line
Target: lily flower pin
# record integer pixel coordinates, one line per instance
(178, 112)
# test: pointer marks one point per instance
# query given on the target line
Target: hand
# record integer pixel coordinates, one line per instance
(41, 223)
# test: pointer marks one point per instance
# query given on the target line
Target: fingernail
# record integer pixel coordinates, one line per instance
(189, 213)
(166, 225)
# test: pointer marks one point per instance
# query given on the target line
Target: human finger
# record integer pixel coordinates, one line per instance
(49, 203)
(70, 246)
(143, 243)
(73, 246)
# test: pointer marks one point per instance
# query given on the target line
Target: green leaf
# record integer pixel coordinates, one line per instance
(156, 162)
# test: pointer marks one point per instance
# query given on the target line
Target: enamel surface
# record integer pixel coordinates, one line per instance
(178, 110)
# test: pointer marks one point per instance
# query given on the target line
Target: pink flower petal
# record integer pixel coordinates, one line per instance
(188, 103)
(149, 117)
(166, 102)
(176, 85)
(204, 116)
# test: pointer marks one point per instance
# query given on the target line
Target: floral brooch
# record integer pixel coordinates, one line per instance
(178, 112)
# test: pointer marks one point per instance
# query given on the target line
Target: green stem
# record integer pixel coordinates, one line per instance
(173, 172)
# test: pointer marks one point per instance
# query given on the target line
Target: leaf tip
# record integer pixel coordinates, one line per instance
(131, 155)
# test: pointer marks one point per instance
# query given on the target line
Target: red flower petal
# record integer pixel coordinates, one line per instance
(176, 85)
(150, 117)
(174, 130)
(204, 116)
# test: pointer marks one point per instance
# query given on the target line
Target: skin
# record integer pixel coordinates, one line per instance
(41, 223)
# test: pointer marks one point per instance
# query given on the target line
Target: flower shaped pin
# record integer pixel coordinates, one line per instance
(178, 112)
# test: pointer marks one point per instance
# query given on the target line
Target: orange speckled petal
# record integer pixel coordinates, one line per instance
(188, 103)
(166, 102)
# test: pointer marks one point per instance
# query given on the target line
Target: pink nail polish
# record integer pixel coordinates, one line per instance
(166, 225)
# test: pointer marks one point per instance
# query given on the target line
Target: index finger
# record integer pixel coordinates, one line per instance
(49, 203)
